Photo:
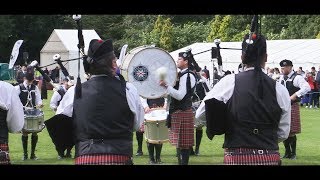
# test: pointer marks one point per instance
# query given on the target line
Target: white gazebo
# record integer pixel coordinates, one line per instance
(65, 42)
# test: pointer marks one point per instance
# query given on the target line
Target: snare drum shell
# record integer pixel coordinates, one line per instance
(156, 132)
(33, 121)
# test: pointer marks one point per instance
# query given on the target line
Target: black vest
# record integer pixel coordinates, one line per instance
(253, 122)
(289, 85)
(186, 102)
(3, 127)
(153, 103)
(24, 95)
(103, 121)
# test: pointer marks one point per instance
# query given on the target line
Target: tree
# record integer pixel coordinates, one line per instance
(214, 28)
(166, 35)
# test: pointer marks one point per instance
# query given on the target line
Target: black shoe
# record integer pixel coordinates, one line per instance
(158, 161)
(286, 156)
(192, 153)
(25, 157)
(197, 153)
(60, 157)
(152, 162)
(293, 156)
(33, 157)
(139, 153)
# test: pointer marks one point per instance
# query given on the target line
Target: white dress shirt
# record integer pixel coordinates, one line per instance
(182, 91)
(66, 104)
(10, 101)
(223, 91)
(299, 82)
(38, 100)
(56, 97)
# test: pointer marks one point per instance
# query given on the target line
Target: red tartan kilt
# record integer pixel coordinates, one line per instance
(181, 133)
(4, 150)
(250, 157)
(295, 127)
(102, 159)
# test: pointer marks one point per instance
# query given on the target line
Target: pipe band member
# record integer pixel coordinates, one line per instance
(250, 108)
(297, 86)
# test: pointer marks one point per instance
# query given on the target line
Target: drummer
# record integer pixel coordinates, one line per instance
(148, 104)
(25, 90)
(181, 117)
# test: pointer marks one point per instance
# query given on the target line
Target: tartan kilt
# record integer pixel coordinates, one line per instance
(103, 159)
(295, 127)
(181, 132)
(4, 154)
(244, 156)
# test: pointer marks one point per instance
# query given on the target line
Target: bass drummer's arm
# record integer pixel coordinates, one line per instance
(145, 105)
(135, 105)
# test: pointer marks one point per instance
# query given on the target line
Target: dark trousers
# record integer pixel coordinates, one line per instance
(34, 141)
(157, 148)
(139, 136)
(183, 156)
(290, 145)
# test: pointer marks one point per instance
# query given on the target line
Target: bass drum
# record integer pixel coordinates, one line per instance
(140, 65)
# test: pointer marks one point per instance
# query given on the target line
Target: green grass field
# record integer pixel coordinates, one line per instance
(211, 152)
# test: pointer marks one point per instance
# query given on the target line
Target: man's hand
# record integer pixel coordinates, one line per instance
(163, 83)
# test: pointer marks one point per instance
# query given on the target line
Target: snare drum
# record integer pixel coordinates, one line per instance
(156, 131)
(33, 120)
(198, 123)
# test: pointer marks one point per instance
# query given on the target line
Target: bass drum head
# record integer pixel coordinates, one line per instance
(140, 66)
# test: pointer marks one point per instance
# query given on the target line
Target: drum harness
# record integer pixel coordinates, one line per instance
(29, 104)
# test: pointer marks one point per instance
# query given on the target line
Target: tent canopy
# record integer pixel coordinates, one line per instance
(65, 42)
(302, 52)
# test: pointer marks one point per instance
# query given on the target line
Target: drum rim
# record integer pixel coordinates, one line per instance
(154, 109)
(157, 141)
(145, 47)
(155, 121)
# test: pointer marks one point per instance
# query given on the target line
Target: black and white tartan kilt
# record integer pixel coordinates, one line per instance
(4, 154)
(295, 127)
(103, 159)
(244, 156)
(181, 131)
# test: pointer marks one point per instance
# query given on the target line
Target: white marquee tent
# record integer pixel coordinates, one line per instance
(302, 52)
(64, 42)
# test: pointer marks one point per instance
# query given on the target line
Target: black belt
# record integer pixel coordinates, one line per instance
(250, 151)
(3, 141)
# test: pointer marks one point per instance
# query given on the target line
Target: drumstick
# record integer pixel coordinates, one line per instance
(162, 73)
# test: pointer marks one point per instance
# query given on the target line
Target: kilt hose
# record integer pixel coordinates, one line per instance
(295, 127)
(245, 156)
(4, 154)
(103, 159)
(181, 132)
